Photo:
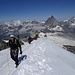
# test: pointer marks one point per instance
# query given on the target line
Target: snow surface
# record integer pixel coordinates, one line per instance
(65, 21)
(60, 40)
(44, 57)
(13, 23)
(57, 28)
(72, 25)
(41, 34)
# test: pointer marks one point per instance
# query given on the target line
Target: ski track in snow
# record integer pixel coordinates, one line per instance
(44, 57)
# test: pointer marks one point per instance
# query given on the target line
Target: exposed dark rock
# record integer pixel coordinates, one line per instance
(35, 22)
(3, 45)
(70, 48)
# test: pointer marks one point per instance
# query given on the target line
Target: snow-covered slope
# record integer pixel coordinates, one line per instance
(61, 40)
(44, 57)
(57, 28)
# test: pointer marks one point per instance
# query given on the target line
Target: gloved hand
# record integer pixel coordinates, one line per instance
(20, 52)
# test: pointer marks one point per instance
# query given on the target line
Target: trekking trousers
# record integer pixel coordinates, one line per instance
(14, 55)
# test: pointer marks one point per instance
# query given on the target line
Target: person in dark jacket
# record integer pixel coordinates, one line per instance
(30, 39)
(14, 45)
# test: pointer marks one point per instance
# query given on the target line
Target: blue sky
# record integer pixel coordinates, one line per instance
(36, 9)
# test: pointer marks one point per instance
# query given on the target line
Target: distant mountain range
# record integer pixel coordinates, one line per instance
(25, 28)
(65, 26)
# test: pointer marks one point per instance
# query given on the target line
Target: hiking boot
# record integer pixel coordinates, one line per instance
(17, 65)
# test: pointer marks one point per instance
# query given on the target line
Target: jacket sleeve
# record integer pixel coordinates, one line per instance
(9, 43)
(19, 45)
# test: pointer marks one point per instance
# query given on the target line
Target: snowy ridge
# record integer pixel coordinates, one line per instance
(57, 28)
(72, 25)
(44, 57)
(60, 40)
(65, 21)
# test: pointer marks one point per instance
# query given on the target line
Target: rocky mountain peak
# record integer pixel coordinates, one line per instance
(52, 22)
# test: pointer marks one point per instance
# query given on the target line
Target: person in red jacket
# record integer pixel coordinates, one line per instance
(14, 45)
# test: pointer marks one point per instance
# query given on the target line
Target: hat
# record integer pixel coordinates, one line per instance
(11, 36)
